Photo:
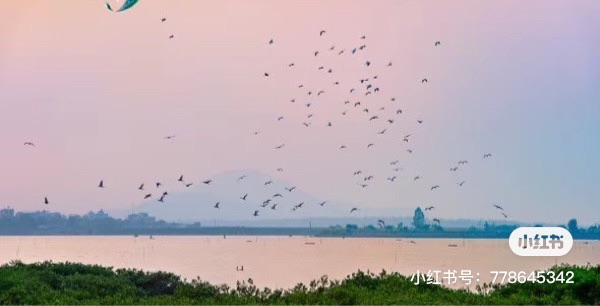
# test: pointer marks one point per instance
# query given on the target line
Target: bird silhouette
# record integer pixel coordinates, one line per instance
(217, 205)
(163, 19)
(436, 220)
(498, 206)
(180, 179)
(280, 146)
(391, 179)
(147, 196)
(46, 201)
(382, 132)
(373, 118)
(417, 178)
(172, 36)
(266, 74)
(454, 169)
(353, 209)
(158, 184)
(162, 199)
(322, 203)
(274, 206)
(505, 215)
(291, 188)
(271, 41)
(189, 184)
(256, 213)
(31, 144)
(277, 195)
(322, 32)
(241, 177)
(435, 187)
(101, 185)
(437, 43)
(169, 137)
(424, 81)
(420, 121)
(487, 155)
(357, 172)
(268, 182)
(429, 208)
(207, 182)
(244, 197)
(370, 145)
(461, 183)
(141, 187)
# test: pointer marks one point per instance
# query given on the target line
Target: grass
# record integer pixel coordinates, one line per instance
(73, 283)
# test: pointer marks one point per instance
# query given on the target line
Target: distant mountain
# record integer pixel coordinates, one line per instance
(197, 202)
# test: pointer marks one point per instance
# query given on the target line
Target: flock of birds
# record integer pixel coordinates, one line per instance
(360, 99)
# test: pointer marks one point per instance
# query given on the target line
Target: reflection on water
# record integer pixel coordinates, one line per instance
(285, 261)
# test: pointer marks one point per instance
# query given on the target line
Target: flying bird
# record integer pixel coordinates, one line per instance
(505, 215)
(498, 206)
(158, 184)
(268, 182)
(487, 155)
(141, 187)
(172, 36)
(420, 121)
(417, 178)
(189, 184)
(163, 19)
(391, 179)
(101, 185)
(271, 41)
(454, 169)
(290, 189)
(169, 137)
(147, 196)
(358, 172)
(437, 43)
(382, 132)
(31, 144)
(436, 220)
(207, 182)
(241, 177)
(217, 205)
(279, 146)
(244, 197)
(435, 187)
(46, 201)
(277, 195)
(424, 81)
(429, 208)
(162, 199)
(322, 32)
(180, 179)
(461, 183)
(256, 213)
(322, 203)
(353, 209)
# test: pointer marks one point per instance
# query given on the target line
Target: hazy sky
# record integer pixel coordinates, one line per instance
(97, 91)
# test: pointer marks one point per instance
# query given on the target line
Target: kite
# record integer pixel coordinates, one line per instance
(126, 5)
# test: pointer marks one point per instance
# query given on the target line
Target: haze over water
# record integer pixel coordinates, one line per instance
(285, 261)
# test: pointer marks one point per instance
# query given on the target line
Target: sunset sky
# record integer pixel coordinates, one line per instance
(97, 91)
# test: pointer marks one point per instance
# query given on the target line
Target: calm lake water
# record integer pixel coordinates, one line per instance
(284, 261)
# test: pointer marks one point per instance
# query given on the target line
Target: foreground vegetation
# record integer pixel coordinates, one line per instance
(71, 283)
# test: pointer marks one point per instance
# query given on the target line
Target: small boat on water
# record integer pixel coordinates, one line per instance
(309, 243)
(135, 235)
(452, 245)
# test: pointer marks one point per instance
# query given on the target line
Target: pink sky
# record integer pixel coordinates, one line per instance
(97, 91)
